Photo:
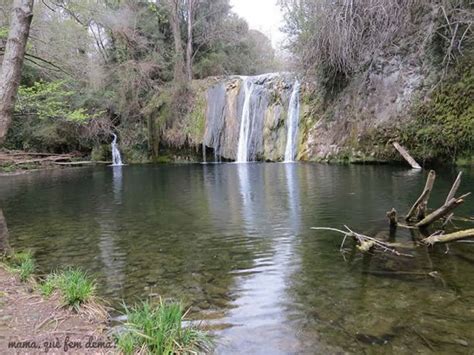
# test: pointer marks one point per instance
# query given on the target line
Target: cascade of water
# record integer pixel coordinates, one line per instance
(293, 120)
(216, 105)
(116, 158)
(204, 153)
(238, 115)
(244, 134)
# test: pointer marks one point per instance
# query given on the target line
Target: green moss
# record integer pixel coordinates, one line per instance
(164, 159)
(7, 168)
(101, 153)
(465, 161)
(196, 120)
(443, 127)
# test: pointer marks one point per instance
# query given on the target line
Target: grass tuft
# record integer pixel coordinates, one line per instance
(159, 329)
(75, 286)
(21, 263)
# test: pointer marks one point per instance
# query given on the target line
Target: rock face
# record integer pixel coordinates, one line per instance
(377, 98)
(329, 128)
(263, 112)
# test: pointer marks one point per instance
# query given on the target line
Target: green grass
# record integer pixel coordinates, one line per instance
(21, 263)
(158, 329)
(75, 286)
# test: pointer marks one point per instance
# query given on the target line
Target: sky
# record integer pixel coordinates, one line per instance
(262, 15)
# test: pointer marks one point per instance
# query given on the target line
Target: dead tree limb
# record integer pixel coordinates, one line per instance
(50, 159)
(392, 217)
(454, 188)
(451, 237)
(404, 153)
(365, 242)
(451, 194)
(442, 211)
(425, 195)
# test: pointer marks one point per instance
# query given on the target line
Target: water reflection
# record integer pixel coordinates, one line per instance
(292, 184)
(258, 313)
(117, 184)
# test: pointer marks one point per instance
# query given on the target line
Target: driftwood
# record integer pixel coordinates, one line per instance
(404, 153)
(450, 237)
(20, 153)
(51, 159)
(86, 162)
(451, 194)
(454, 188)
(442, 211)
(18, 158)
(366, 243)
(416, 221)
(419, 207)
(392, 217)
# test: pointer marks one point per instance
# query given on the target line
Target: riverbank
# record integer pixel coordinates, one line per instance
(20, 162)
(30, 323)
(61, 313)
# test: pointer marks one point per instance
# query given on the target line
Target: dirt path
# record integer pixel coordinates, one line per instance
(30, 324)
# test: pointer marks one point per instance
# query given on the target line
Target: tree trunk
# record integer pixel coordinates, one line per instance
(4, 246)
(178, 46)
(10, 73)
(404, 153)
(189, 45)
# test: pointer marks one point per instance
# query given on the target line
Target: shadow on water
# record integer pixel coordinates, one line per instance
(234, 242)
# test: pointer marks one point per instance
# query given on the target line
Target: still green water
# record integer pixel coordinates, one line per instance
(234, 242)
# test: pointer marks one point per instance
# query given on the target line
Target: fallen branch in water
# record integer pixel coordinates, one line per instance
(442, 211)
(419, 207)
(392, 217)
(404, 153)
(450, 237)
(417, 221)
(366, 243)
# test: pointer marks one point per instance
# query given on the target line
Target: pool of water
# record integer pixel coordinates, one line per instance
(233, 241)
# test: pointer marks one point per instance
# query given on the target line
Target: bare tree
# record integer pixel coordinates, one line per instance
(189, 44)
(10, 74)
(173, 6)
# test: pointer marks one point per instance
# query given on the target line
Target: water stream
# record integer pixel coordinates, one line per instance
(292, 123)
(245, 123)
(116, 157)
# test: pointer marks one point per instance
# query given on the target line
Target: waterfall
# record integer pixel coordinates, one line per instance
(116, 158)
(245, 117)
(257, 94)
(216, 105)
(293, 120)
(244, 134)
(204, 153)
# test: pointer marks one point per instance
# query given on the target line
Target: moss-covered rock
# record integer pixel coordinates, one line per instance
(442, 128)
